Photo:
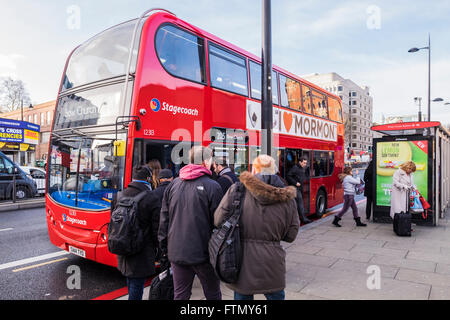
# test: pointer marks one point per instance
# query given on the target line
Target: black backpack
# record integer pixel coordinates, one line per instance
(161, 287)
(125, 237)
(225, 250)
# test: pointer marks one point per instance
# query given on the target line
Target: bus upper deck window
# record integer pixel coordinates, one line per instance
(181, 53)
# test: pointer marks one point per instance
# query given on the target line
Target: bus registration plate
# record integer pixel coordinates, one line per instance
(78, 252)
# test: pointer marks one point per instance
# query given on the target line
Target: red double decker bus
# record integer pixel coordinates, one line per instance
(149, 89)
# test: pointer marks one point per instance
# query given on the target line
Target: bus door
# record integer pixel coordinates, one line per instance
(291, 158)
(147, 150)
(307, 184)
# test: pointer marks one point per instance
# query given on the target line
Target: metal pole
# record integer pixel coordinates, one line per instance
(429, 78)
(14, 185)
(351, 123)
(266, 81)
(420, 110)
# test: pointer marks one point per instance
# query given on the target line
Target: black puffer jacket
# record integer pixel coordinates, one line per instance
(142, 264)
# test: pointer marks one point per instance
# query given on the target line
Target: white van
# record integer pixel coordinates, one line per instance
(38, 175)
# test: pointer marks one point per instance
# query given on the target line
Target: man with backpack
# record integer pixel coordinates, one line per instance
(186, 224)
(135, 211)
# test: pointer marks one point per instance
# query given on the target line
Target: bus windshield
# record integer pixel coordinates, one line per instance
(84, 172)
(95, 107)
(102, 57)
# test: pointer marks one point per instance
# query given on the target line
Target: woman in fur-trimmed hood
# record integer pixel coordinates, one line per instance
(269, 216)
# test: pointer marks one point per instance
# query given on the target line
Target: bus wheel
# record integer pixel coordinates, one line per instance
(321, 203)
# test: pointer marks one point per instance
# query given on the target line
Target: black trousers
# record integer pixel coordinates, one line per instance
(369, 205)
(300, 206)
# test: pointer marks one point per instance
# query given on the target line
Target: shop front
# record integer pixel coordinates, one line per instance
(18, 140)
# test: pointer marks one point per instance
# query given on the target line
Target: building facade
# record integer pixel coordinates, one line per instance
(357, 105)
(42, 115)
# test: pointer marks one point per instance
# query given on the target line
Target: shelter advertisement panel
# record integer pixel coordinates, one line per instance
(390, 155)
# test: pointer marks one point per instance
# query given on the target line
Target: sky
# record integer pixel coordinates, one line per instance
(365, 41)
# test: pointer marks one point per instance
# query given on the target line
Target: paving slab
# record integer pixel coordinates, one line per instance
(307, 248)
(311, 259)
(440, 293)
(443, 268)
(428, 256)
(346, 285)
(416, 246)
(380, 250)
(345, 254)
(420, 265)
(431, 278)
(343, 244)
(361, 268)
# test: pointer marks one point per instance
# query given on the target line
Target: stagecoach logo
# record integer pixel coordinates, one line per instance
(72, 220)
(155, 105)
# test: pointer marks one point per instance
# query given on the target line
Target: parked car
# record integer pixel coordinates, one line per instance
(26, 187)
(38, 175)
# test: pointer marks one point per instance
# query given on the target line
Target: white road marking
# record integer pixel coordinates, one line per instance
(7, 229)
(31, 260)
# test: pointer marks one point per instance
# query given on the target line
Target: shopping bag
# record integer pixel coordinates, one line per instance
(415, 205)
(425, 205)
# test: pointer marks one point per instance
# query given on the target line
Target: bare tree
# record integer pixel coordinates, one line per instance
(13, 93)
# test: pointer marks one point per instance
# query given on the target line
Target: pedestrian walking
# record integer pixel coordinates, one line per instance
(402, 185)
(368, 189)
(269, 215)
(225, 176)
(155, 166)
(186, 224)
(138, 267)
(349, 183)
(296, 177)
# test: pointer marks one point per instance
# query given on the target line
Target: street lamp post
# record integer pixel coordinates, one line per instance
(429, 73)
(266, 81)
(419, 99)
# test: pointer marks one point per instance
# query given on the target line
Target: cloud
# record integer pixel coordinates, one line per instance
(394, 87)
(8, 63)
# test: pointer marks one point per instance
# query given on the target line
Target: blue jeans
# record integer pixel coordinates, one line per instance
(279, 295)
(135, 288)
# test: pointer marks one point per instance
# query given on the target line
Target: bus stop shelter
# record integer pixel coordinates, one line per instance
(428, 145)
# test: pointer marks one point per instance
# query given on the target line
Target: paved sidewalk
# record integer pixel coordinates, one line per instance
(326, 262)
